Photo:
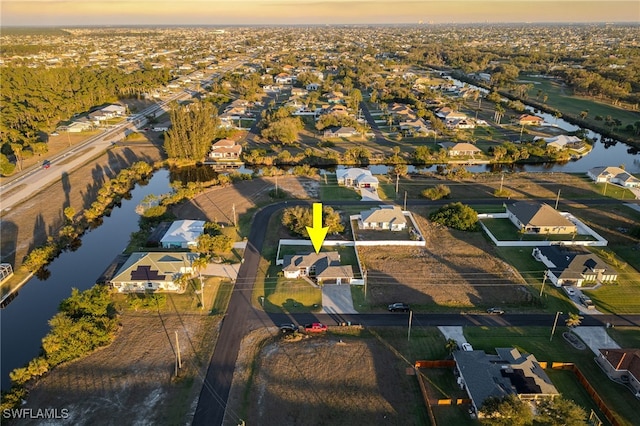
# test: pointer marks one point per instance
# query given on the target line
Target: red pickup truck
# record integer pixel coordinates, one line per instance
(316, 327)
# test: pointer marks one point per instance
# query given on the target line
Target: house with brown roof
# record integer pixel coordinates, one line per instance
(153, 271)
(622, 366)
(324, 267)
(530, 120)
(225, 149)
(384, 217)
(460, 149)
(508, 372)
(539, 218)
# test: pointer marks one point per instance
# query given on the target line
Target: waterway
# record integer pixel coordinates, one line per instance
(24, 322)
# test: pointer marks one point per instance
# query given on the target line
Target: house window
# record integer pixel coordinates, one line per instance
(150, 285)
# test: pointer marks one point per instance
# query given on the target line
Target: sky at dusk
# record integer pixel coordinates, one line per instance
(276, 12)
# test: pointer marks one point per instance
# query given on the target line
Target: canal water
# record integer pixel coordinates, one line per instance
(24, 322)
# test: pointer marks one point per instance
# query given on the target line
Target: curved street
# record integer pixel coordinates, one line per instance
(241, 317)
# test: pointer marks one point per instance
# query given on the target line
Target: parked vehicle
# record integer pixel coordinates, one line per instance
(395, 307)
(570, 291)
(467, 347)
(495, 311)
(587, 302)
(316, 327)
(46, 164)
(288, 328)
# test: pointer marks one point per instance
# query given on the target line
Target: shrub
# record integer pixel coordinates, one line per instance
(502, 193)
(437, 192)
(457, 216)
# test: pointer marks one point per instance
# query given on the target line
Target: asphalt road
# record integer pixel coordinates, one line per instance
(242, 317)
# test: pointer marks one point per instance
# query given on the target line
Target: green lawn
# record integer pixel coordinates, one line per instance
(292, 295)
(553, 299)
(626, 337)
(570, 388)
(332, 191)
(561, 98)
(535, 340)
(504, 230)
(622, 297)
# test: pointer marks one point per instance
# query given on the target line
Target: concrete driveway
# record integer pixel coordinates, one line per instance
(453, 332)
(336, 299)
(223, 270)
(596, 338)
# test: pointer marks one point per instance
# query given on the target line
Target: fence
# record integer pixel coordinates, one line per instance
(590, 390)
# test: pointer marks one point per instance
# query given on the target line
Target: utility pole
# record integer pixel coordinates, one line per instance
(405, 201)
(364, 275)
(277, 185)
(178, 359)
(544, 279)
(553, 330)
(397, 182)
(201, 292)
(501, 181)
(557, 199)
(233, 209)
(409, 331)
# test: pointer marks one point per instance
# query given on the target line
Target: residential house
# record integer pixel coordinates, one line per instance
(312, 86)
(507, 373)
(356, 178)
(614, 175)
(325, 267)
(447, 113)
(460, 149)
(572, 266)
(539, 218)
(284, 78)
(529, 120)
(383, 218)
(460, 123)
(153, 271)
(225, 149)
(623, 366)
(114, 110)
(565, 142)
(297, 91)
(340, 132)
(418, 125)
(79, 125)
(182, 234)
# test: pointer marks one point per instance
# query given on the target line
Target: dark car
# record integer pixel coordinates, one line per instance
(288, 328)
(495, 311)
(395, 307)
(46, 164)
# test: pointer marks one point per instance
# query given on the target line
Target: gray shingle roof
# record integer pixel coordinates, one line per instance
(538, 214)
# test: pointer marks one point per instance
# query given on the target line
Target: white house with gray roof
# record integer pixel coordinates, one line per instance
(325, 267)
(356, 178)
(383, 218)
(615, 175)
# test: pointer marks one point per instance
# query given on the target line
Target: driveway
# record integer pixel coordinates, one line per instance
(369, 194)
(453, 332)
(336, 299)
(224, 270)
(596, 338)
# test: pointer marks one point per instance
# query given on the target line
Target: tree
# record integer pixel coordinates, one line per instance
(6, 167)
(296, 219)
(284, 130)
(355, 97)
(584, 113)
(507, 411)
(574, 320)
(69, 213)
(194, 127)
(456, 215)
(451, 346)
(560, 412)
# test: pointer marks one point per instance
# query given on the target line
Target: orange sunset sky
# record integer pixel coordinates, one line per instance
(232, 12)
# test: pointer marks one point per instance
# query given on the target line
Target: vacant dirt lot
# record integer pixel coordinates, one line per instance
(454, 269)
(328, 380)
(132, 380)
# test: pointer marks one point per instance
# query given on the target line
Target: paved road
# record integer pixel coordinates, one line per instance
(241, 317)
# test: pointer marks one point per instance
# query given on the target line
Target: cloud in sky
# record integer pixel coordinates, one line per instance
(220, 12)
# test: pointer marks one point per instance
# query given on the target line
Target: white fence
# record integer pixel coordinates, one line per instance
(582, 230)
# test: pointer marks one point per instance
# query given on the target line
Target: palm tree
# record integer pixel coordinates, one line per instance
(451, 345)
(499, 113)
(574, 320)
(583, 114)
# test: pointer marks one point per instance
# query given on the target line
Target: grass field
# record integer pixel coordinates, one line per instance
(562, 98)
(504, 230)
(332, 191)
(535, 340)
